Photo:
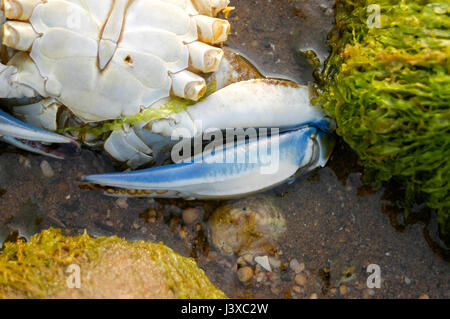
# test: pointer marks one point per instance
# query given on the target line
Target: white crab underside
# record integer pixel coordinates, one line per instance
(104, 59)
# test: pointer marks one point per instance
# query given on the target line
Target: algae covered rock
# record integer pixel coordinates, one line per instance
(108, 267)
(387, 84)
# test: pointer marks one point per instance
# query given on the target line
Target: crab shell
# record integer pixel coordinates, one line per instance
(105, 59)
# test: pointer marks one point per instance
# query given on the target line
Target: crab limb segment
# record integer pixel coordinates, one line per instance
(18, 35)
(254, 103)
(188, 85)
(20, 135)
(203, 57)
(211, 175)
(211, 7)
(212, 30)
(19, 9)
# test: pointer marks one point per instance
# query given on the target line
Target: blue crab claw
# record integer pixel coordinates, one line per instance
(230, 171)
(29, 138)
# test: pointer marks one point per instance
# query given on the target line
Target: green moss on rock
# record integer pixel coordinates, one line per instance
(110, 267)
(389, 90)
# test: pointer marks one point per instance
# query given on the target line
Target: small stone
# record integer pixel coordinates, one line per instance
(343, 290)
(301, 279)
(424, 296)
(275, 290)
(297, 289)
(122, 203)
(296, 266)
(275, 263)
(46, 169)
(245, 274)
(260, 277)
(190, 215)
(263, 261)
(24, 161)
(248, 259)
(407, 281)
(314, 296)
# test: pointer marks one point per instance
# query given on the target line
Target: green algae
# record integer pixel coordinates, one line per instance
(388, 87)
(36, 269)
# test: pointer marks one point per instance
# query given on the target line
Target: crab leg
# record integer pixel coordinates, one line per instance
(212, 175)
(203, 57)
(15, 132)
(212, 30)
(19, 9)
(210, 7)
(254, 103)
(188, 85)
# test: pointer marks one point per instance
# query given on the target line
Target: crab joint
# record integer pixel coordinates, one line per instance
(212, 30)
(19, 9)
(18, 35)
(188, 85)
(204, 57)
(211, 7)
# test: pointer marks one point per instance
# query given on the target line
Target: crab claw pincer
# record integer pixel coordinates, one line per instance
(230, 171)
(30, 138)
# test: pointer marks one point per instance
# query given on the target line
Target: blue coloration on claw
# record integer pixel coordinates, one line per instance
(20, 134)
(211, 176)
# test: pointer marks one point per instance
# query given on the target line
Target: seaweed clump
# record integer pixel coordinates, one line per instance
(110, 267)
(387, 84)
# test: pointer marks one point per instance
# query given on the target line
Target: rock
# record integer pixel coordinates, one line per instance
(301, 279)
(24, 161)
(296, 266)
(122, 202)
(110, 268)
(190, 215)
(263, 261)
(248, 259)
(245, 274)
(297, 289)
(314, 296)
(46, 169)
(424, 296)
(343, 290)
(407, 280)
(275, 263)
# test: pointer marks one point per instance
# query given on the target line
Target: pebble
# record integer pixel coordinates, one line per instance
(296, 266)
(248, 259)
(301, 279)
(297, 289)
(122, 203)
(313, 296)
(245, 274)
(263, 261)
(424, 296)
(24, 161)
(190, 215)
(46, 169)
(275, 263)
(343, 290)
(407, 280)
